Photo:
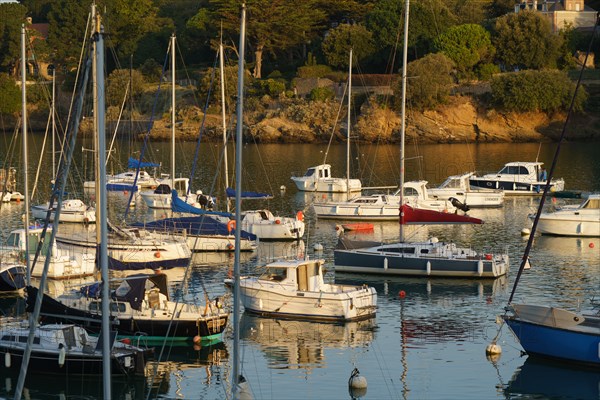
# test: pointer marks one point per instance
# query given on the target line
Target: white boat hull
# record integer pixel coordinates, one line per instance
(72, 211)
(346, 306)
(569, 224)
(472, 198)
(286, 229)
(211, 243)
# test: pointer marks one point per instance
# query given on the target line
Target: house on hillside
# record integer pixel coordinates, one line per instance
(562, 13)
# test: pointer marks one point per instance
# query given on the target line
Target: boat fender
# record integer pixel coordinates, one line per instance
(231, 226)
(86, 221)
(480, 267)
(428, 268)
(62, 354)
(300, 216)
(277, 221)
(157, 254)
(385, 264)
(351, 304)
(7, 360)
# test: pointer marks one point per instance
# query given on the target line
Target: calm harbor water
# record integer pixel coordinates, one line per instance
(428, 345)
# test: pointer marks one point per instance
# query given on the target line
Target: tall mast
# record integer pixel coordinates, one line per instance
(348, 130)
(238, 208)
(173, 112)
(53, 122)
(25, 149)
(101, 208)
(223, 115)
(403, 117)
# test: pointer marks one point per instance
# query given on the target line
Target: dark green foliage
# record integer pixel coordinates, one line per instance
(321, 94)
(12, 15)
(429, 82)
(271, 87)
(10, 95)
(151, 70)
(313, 71)
(340, 40)
(546, 91)
(525, 40)
(118, 82)
(467, 45)
(485, 72)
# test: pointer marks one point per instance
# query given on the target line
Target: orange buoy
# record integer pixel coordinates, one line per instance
(126, 341)
(488, 256)
(277, 221)
(157, 254)
(197, 339)
(402, 294)
(300, 216)
(229, 246)
(230, 225)
(591, 245)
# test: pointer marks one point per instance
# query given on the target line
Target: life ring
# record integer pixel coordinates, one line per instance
(231, 226)
(300, 216)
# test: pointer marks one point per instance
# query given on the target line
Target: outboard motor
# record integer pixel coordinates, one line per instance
(459, 204)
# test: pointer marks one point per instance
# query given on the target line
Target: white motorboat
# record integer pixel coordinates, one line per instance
(458, 187)
(518, 178)
(160, 197)
(66, 349)
(582, 220)
(429, 258)
(296, 290)
(126, 179)
(381, 207)
(73, 210)
(319, 179)
(64, 264)
(266, 226)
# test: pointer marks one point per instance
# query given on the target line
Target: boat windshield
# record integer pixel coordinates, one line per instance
(514, 170)
(451, 183)
(592, 203)
(274, 274)
(310, 172)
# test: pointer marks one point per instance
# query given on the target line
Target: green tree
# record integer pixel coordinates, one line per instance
(547, 91)
(12, 16)
(428, 19)
(429, 80)
(210, 81)
(126, 22)
(467, 45)
(118, 82)
(384, 22)
(10, 100)
(525, 40)
(498, 8)
(340, 40)
(272, 25)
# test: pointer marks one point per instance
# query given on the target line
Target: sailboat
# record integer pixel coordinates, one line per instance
(319, 178)
(545, 331)
(429, 258)
(160, 197)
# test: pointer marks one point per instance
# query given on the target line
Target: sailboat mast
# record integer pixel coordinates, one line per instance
(238, 207)
(101, 208)
(403, 117)
(53, 122)
(223, 115)
(25, 149)
(173, 112)
(348, 130)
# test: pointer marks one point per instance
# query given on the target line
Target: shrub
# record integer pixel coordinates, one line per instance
(272, 87)
(486, 71)
(313, 71)
(547, 91)
(321, 94)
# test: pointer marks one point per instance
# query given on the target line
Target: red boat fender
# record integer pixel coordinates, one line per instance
(300, 216)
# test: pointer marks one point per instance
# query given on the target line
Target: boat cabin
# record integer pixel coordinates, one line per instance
(305, 277)
(460, 182)
(16, 240)
(521, 171)
(257, 216)
(322, 171)
(181, 185)
(416, 188)
(592, 203)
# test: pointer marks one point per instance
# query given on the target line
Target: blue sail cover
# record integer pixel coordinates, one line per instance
(135, 163)
(201, 225)
(248, 195)
(178, 205)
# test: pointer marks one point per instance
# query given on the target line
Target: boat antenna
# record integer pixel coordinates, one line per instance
(525, 259)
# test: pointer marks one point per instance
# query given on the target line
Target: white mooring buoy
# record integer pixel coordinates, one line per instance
(493, 349)
(357, 384)
(318, 247)
(525, 232)
(282, 188)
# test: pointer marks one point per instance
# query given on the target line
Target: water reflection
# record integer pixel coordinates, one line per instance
(545, 379)
(302, 344)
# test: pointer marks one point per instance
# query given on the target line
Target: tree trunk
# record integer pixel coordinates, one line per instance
(258, 61)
